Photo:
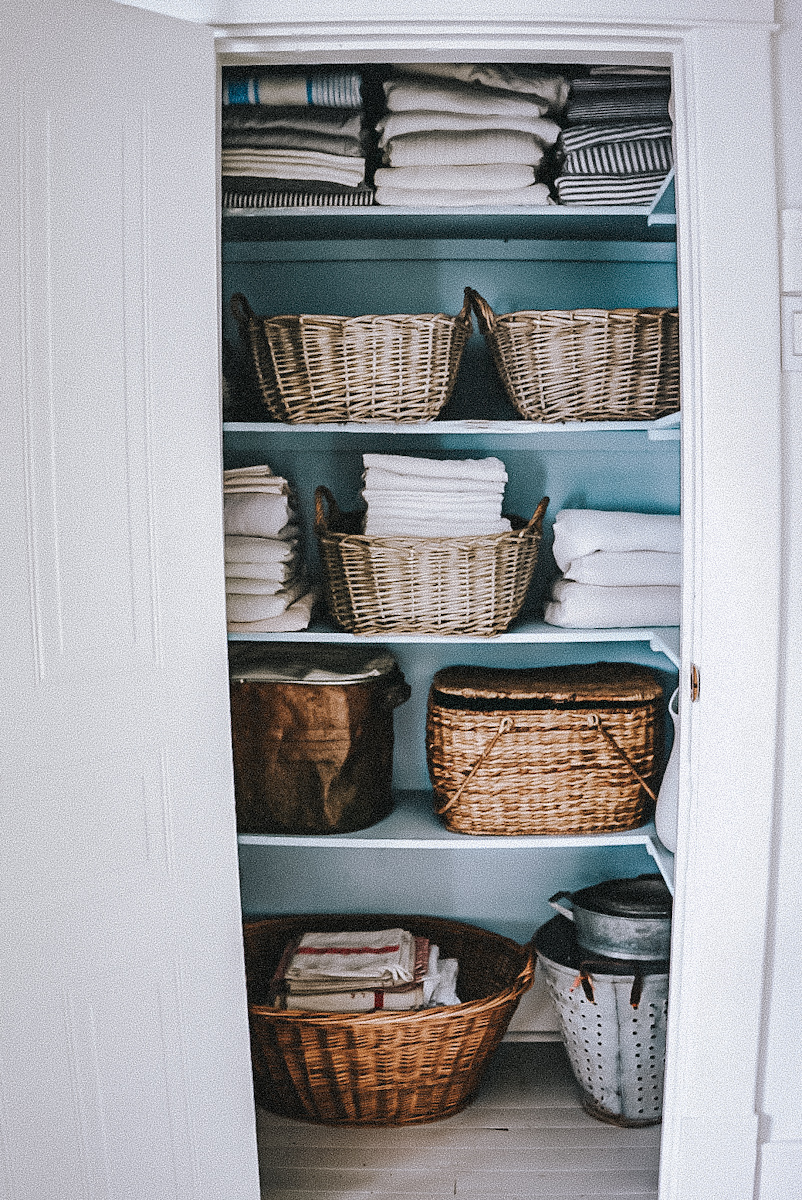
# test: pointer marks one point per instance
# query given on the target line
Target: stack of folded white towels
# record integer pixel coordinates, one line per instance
(427, 497)
(462, 134)
(266, 589)
(619, 570)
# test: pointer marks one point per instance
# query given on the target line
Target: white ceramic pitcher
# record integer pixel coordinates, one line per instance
(665, 817)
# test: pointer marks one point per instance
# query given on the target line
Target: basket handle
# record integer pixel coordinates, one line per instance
(535, 522)
(484, 313)
(241, 310)
(595, 723)
(326, 509)
(505, 725)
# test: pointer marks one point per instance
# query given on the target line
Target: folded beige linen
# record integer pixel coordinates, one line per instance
(248, 586)
(268, 572)
(373, 957)
(242, 549)
(292, 620)
(407, 94)
(425, 121)
(535, 196)
(585, 606)
(256, 514)
(496, 177)
(548, 85)
(253, 607)
(464, 149)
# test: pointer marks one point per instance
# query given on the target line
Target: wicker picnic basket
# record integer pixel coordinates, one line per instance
(381, 1068)
(312, 369)
(468, 584)
(585, 364)
(544, 750)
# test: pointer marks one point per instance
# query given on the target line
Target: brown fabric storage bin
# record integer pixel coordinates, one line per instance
(381, 1068)
(314, 754)
(548, 750)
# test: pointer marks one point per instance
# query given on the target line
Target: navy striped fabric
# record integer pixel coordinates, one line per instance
(636, 157)
(616, 191)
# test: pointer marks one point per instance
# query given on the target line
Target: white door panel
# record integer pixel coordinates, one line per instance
(124, 1062)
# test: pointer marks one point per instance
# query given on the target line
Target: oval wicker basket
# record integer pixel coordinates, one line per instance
(585, 364)
(381, 1068)
(468, 584)
(313, 369)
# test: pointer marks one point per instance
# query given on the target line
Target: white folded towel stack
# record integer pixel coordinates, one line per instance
(425, 497)
(266, 589)
(619, 570)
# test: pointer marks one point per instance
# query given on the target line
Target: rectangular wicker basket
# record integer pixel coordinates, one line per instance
(468, 584)
(312, 369)
(381, 1068)
(585, 364)
(547, 750)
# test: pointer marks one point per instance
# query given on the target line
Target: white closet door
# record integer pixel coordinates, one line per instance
(124, 1067)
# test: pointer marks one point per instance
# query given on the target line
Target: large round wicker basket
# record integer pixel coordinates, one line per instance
(314, 369)
(585, 364)
(381, 1068)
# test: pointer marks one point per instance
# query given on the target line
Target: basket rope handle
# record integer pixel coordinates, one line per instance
(505, 725)
(241, 310)
(595, 723)
(535, 522)
(484, 313)
(326, 508)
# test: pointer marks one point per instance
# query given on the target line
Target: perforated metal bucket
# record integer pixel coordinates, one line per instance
(613, 1022)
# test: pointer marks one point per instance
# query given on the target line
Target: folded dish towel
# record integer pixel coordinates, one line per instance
(629, 568)
(256, 514)
(412, 468)
(259, 550)
(585, 606)
(580, 531)
(497, 177)
(292, 620)
(376, 957)
(330, 89)
(534, 196)
(400, 124)
(464, 149)
(408, 94)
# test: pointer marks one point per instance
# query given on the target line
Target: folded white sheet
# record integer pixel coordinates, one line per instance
(438, 468)
(476, 148)
(266, 572)
(247, 586)
(457, 501)
(407, 94)
(416, 526)
(292, 620)
(380, 480)
(496, 177)
(585, 606)
(240, 549)
(582, 531)
(258, 607)
(254, 514)
(629, 568)
(400, 124)
(534, 196)
(549, 86)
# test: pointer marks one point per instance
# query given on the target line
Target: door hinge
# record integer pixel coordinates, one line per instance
(694, 682)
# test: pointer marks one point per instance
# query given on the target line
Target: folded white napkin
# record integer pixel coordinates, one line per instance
(629, 568)
(292, 620)
(407, 93)
(475, 148)
(255, 514)
(383, 956)
(440, 980)
(578, 532)
(480, 469)
(239, 549)
(535, 196)
(585, 606)
(399, 124)
(496, 177)
(254, 607)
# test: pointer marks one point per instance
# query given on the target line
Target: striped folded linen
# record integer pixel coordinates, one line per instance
(629, 104)
(403, 95)
(381, 957)
(622, 71)
(478, 148)
(398, 124)
(636, 157)
(615, 80)
(536, 195)
(581, 531)
(609, 189)
(599, 133)
(550, 86)
(318, 194)
(497, 177)
(584, 606)
(294, 164)
(628, 568)
(242, 118)
(328, 89)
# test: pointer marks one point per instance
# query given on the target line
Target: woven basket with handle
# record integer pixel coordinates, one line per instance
(585, 364)
(544, 750)
(381, 1068)
(313, 369)
(468, 584)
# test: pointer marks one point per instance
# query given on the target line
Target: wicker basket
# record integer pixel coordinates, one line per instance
(546, 750)
(382, 1068)
(469, 584)
(586, 364)
(311, 369)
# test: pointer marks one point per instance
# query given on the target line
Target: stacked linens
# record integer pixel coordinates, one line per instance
(426, 497)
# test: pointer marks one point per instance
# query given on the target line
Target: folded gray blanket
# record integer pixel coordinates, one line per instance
(291, 139)
(344, 121)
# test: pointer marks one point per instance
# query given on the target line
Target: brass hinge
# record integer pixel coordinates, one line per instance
(694, 682)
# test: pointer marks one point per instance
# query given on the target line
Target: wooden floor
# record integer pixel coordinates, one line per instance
(524, 1136)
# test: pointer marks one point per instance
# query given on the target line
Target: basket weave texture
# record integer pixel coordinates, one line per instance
(468, 584)
(585, 364)
(552, 750)
(313, 369)
(382, 1068)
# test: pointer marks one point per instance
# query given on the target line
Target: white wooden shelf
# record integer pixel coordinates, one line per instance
(414, 825)
(664, 429)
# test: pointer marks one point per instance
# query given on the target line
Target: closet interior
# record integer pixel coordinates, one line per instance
(393, 229)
